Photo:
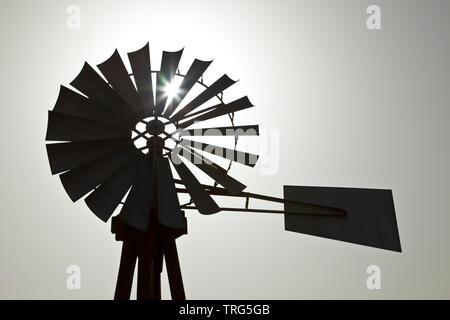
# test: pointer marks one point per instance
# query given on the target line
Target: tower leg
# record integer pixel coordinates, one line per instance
(173, 268)
(145, 275)
(149, 273)
(126, 271)
(157, 265)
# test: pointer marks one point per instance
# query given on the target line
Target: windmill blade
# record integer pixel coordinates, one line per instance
(169, 210)
(89, 82)
(220, 110)
(105, 199)
(212, 169)
(370, 218)
(116, 73)
(241, 157)
(203, 201)
(80, 181)
(250, 130)
(62, 127)
(140, 64)
(196, 70)
(169, 66)
(71, 103)
(71, 155)
(217, 87)
(136, 210)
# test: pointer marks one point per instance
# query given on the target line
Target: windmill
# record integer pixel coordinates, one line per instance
(96, 154)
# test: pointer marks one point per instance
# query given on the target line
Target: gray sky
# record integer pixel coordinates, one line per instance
(352, 107)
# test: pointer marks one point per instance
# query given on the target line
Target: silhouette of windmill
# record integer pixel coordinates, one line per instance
(98, 156)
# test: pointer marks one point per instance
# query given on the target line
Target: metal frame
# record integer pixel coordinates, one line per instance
(327, 211)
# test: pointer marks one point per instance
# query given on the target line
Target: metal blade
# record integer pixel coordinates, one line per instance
(241, 157)
(169, 211)
(105, 199)
(217, 87)
(70, 155)
(196, 70)
(251, 130)
(201, 198)
(89, 82)
(140, 64)
(370, 219)
(169, 66)
(211, 169)
(116, 73)
(220, 110)
(71, 103)
(80, 181)
(63, 127)
(136, 210)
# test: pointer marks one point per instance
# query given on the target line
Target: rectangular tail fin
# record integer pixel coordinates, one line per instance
(370, 218)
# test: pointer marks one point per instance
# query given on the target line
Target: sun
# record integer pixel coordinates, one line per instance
(171, 90)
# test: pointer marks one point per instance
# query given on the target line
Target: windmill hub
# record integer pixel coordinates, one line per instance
(163, 132)
(155, 127)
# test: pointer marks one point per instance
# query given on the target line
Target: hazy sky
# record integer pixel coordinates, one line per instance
(352, 107)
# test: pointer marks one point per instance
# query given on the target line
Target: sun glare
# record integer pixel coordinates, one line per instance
(171, 89)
